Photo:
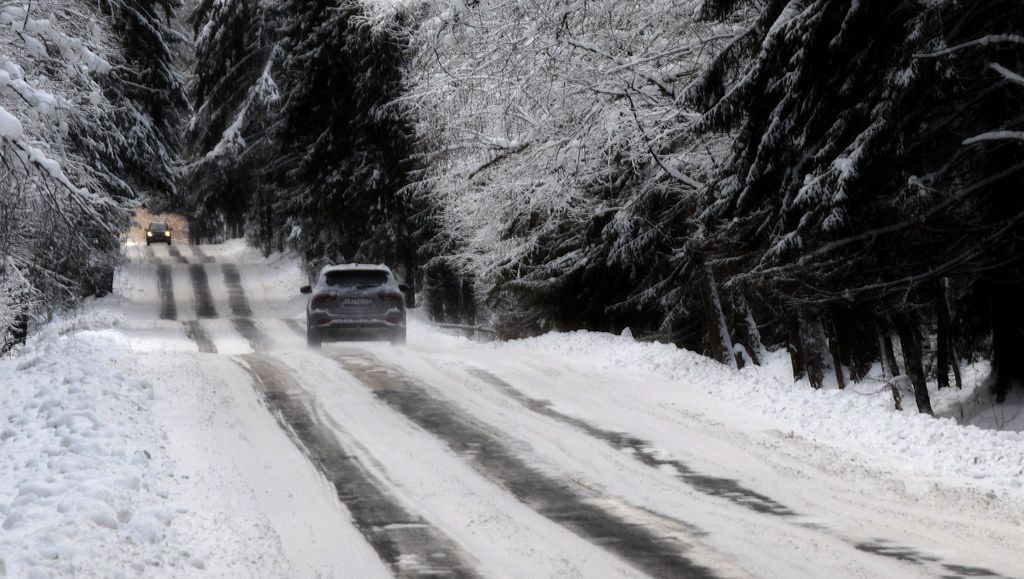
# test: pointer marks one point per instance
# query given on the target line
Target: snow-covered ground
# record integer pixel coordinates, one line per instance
(215, 443)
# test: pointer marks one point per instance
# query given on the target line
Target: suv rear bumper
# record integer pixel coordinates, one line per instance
(337, 330)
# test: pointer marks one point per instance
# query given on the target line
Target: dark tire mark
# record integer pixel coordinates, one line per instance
(165, 287)
(236, 295)
(403, 539)
(197, 334)
(967, 571)
(892, 550)
(495, 458)
(199, 254)
(201, 288)
(248, 329)
(643, 451)
(240, 309)
(176, 254)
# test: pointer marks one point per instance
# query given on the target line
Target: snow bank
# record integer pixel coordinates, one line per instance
(81, 465)
(860, 419)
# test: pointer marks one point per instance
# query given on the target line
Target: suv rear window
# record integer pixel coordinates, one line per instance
(355, 278)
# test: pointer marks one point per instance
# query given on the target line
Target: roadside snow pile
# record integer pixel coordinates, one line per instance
(865, 422)
(79, 465)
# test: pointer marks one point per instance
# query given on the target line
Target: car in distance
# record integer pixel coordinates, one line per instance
(355, 302)
(158, 232)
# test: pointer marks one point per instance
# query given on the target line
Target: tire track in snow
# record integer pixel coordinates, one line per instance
(403, 539)
(176, 254)
(644, 452)
(201, 289)
(728, 489)
(165, 288)
(195, 332)
(493, 457)
(240, 310)
(237, 301)
(258, 340)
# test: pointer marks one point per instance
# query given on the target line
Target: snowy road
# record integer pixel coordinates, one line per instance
(455, 459)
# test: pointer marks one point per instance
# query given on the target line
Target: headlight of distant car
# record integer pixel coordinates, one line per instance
(149, 234)
(167, 233)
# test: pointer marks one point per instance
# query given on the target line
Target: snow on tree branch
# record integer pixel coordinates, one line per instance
(983, 41)
(72, 49)
(996, 136)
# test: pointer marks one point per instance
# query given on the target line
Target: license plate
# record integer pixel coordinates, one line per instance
(356, 302)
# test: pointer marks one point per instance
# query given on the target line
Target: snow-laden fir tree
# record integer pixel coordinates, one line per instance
(234, 96)
(148, 90)
(859, 187)
(344, 147)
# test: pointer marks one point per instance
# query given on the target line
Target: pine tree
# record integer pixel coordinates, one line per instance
(234, 96)
(149, 92)
(344, 146)
(855, 183)
(971, 145)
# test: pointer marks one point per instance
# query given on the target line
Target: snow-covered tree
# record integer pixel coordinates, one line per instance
(562, 168)
(344, 149)
(294, 134)
(148, 91)
(864, 169)
(234, 94)
(66, 138)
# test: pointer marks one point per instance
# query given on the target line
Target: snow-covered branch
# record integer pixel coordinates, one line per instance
(995, 136)
(983, 41)
(72, 49)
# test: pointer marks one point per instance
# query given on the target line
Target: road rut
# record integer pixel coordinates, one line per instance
(403, 539)
(493, 457)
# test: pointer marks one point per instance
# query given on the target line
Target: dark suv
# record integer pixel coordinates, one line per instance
(158, 232)
(355, 302)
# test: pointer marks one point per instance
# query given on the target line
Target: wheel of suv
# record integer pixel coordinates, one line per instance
(313, 341)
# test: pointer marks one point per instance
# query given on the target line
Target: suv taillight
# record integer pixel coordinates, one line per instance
(390, 296)
(321, 299)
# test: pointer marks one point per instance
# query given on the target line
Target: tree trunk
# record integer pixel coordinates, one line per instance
(468, 301)
(751, 334)
(888, 371)
(888, 352)
(719, 340)
(858, 342)
(433, 281)
(910, 341)
(956, 364)
(1007, 337)
(814, 345)
(796, 354)
(943, 336)
(837, 358)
